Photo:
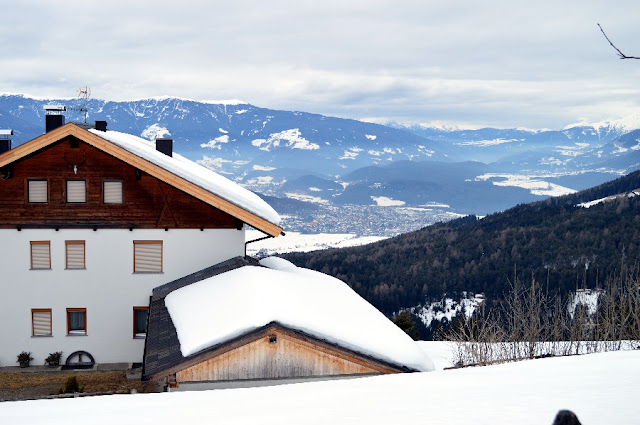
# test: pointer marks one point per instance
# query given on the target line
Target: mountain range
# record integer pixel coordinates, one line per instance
(333, 162)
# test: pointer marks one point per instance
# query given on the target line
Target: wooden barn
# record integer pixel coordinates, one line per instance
(242, 323)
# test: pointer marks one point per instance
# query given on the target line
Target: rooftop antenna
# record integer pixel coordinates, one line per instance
(85, 94)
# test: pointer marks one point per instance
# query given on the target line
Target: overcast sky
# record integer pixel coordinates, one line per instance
(534, 64)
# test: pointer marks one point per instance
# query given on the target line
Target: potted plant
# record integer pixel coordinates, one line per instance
(53, 359)
(24, 358)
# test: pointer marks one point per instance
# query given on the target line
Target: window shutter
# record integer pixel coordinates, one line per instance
(40, 255)
(75, 255)
(37, 191)
(76, 191)
(41, 322)
(147, 257)
(112, 191)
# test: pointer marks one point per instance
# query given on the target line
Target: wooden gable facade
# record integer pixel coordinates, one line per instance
(275, 352)
(151, 196)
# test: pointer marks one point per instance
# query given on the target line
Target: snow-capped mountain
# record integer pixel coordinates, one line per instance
(535, 149)
(235, 138)
(334, 162)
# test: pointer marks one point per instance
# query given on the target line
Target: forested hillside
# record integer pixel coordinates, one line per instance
(557, 241)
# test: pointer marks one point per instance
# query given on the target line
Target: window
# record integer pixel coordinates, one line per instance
(41, 322)
(75, 254)
(37, 191)
(40, 255)
(140, 315)
(112, 191)
(77, 321)
(147, 256)
(76, 191)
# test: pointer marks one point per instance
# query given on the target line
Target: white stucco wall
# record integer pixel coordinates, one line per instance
(107, 288)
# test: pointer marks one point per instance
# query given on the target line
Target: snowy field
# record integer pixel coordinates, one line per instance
(600, 388)
(299, 242)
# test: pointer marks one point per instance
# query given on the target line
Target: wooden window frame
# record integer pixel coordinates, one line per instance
(84, 254)
(42, 310)
(75, 332)
(159, 242)
(66, 187)
(31, 244)
(135, 334)
(29, 180)
(121, 191)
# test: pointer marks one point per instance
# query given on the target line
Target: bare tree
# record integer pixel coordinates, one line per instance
(532, 323)
(620, 54)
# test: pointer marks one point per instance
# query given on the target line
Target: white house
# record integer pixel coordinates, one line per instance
(90, 222)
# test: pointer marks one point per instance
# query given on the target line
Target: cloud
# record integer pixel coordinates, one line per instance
(543, 64)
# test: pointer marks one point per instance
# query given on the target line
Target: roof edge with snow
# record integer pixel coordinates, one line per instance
(219, 349)
(177, 172)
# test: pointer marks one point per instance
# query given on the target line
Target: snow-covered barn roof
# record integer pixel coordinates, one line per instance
(220, 308)
(175, 170)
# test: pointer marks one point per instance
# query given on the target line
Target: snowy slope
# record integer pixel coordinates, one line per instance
(600, 388)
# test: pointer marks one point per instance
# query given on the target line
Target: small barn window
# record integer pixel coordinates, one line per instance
(273, 339)
(41, 322)
(147, 256)
(140, 315)
(112, 191)
(76, 191)
(75, 253)
(77, 321)
(37, 191)
(40, 255)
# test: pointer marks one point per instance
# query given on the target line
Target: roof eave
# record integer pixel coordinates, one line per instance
(145, 165)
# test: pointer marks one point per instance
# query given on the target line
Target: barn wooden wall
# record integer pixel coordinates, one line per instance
(147, 202)
(288, 357)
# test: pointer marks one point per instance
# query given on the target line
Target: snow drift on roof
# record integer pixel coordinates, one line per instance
(194, 173)
(222, 307)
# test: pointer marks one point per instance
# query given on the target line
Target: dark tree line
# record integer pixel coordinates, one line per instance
(555, 242)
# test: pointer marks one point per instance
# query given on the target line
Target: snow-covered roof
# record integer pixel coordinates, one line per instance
(194, 173)
(231, 304)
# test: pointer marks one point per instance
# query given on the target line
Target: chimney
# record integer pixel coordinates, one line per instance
(165, 146)
(5, 140)
(101, 125)
(54, 117)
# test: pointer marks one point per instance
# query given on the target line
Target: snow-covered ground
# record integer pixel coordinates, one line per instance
(535, 184)
(586, 297)
(600, 388)
(299, 242)
(609, 199)
(448, 308)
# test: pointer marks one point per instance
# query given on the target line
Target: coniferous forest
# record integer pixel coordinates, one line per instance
(558, 243)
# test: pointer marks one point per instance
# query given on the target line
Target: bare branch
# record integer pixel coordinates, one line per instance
(620, 54)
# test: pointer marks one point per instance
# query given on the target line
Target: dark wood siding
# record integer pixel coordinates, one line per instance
(147, 202)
